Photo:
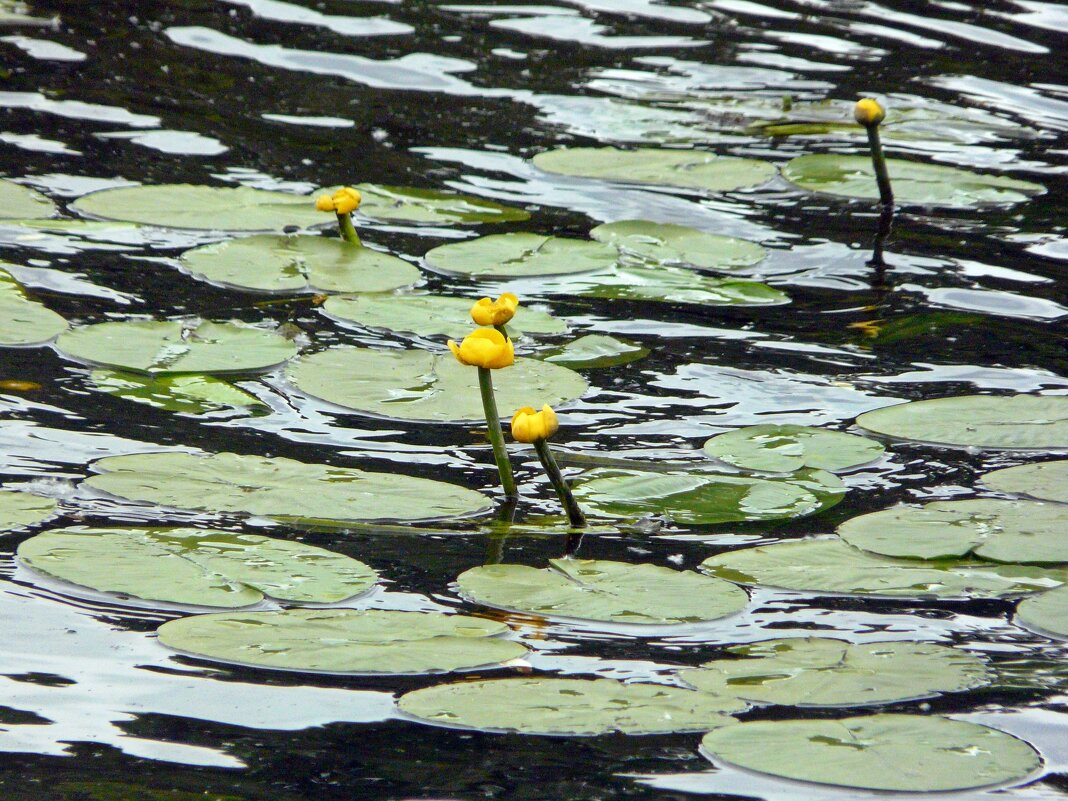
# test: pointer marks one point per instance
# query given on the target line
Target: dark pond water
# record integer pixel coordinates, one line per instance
(298, 95)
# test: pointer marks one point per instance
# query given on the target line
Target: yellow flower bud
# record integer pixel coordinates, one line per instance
(324, 203)
(495, 312)
(868, 112)
(484, 347)
(344, 201)
(530, 426)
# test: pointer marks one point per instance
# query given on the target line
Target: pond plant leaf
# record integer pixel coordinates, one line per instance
(430, 315)
(280, 488)
(819, 671)
(344, 640)
(18, 202)
(596, 351)
(980, 421)
(912, 753)
(1047, 612)
(670, 244)
(596, 589)
(831, 566)
(207, 208)
(24, 321)
(520, 255)
(701, 497)
(18, 509)
(785, 448)
(684, 169)
(196, 566)
(415, 205)
(552, 706)
(420, 385)
(914, 182)
(1024, 532)
(666, 285)
(187, 394)
(1046, 481)
(175, 346)
(280, 263)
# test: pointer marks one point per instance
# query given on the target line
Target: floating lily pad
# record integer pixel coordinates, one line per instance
(1047, 481)
(667, 285)
(981, 421)
(785, 448)
(431, 315)
(568, 706)
(24, 321)
(913, 182)
(188, 394)
(18, 509)
(914, 753)
(1047, 611)
(173, 346)
(521, 255)
(1026, 532)
(280, 488)
(667, 243)
(196, 566)
(832, 566)
(209, 208)
(597, 350)
(344, 640)
(273, 263)
(698, 497)
(418, 385)
(686, 169)
(411, 204)
(818, 671)
(19, 202)
(595, 589)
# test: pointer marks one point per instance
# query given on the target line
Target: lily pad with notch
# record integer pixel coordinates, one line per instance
(521, 255)
(18, 202)
(24, 321)
(416, 205)
(19, 509)
(183, 393)
(597, 351)
(785, 448)
(1046, 481)
(655, 243)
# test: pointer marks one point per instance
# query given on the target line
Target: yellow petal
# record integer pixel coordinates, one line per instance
(324, 203)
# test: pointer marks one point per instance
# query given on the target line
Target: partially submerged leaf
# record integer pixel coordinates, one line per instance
(671, 244)
(520, 255)
(188, 394)
(785, 448)
(1047, 481)
(24, 321)
(1047, 612)
(597, 350)
(18, 509)
(412, 204)
(18, 202)
(666, 285)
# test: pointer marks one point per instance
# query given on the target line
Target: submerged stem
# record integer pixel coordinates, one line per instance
(347, 229)
(878, 160)
(493, 425)
(574, 513)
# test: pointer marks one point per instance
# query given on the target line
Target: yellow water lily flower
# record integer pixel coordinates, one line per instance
(868, 112)
(531, 426)
(344, 201)
(485, 347)
(495, 312)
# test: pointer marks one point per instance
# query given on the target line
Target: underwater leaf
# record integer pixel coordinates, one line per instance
(1047, 612)
(344, 640)
(188, 394)
(666, 285)
(18, 202)
(196, 566)
(980, 421)
(533, 705)
(280, 488)
(18, 509)
(174, 346)
(24, 321)
(596, 350)
(671, 244)
(785, 448)
(595, 589)
(818, 671)
(1047, 481)
(415, 205)
(520, 255)
(913, 753)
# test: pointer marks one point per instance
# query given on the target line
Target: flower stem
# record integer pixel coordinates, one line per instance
(347, 229)
(878, 160)
(493, 425)
(563, 491)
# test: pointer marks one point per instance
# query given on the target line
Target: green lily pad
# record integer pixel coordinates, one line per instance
(19, 202)
(785, 448)
(666, 285)
(686, 169)
(273, 263)
(187, 394)
(533, 705)
(280, 488)
(980, 421)
(832, 566)
(520, 255)
(419, 385)
(1025, 532)
(208, 208)
(165, 347)
(667, 244)
(431, 315)
(1047, 481)
(818, 671)
(411, 204)
(595, 589)
(24, 321)
(18, 509)
(913, 182)
(597, 350)
(698, 497)
(1047, 611)
(196, 566)
(344, 640)
(913, 753)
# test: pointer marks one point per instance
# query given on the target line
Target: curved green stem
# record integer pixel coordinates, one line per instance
(502, 330)
(878, 160)
(347, 229)
(574, 513)
(493, 425)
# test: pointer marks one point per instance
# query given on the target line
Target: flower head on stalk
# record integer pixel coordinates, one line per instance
(530, 426)
(344, 201)
(868, 112)
(495, 312)
(485, 347)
